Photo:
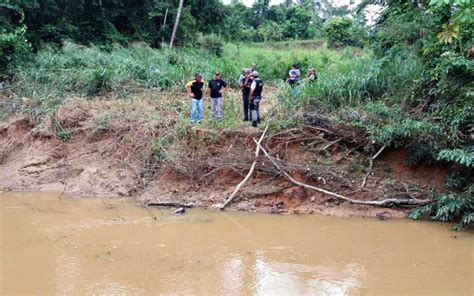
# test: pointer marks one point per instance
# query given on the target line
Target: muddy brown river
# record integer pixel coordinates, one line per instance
(62, 245)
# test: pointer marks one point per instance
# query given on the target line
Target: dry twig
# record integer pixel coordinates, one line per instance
(371, 164)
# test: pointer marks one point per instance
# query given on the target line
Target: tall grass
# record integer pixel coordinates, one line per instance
(351, 82)
(83, 71)
(51, 75)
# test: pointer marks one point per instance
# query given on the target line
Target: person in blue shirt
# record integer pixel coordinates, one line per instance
(294, 75)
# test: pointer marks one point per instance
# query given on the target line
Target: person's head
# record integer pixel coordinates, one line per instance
(255, 74)
(254, 66)
(247, 72)
(311, 70)
(198, 77)
(243, 71)
(216, 76)
(294, 67)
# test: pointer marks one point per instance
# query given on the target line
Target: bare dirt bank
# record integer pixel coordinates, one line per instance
(121, 158)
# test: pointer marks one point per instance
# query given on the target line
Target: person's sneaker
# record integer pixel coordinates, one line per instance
(198, 122)
(219, 119)
(246, 119)
(254, 124)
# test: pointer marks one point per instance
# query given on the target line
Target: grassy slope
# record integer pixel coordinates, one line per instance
(378, 95)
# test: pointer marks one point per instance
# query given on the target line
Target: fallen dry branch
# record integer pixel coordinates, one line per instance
(371, 164)
(252, 168)
(382, 203)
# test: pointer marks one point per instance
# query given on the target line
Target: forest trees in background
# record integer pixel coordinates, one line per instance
(151, 21)
(111, 21)
(27, 25)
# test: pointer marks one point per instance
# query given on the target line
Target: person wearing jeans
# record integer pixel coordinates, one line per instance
(216, 88)
(196, 110)
(194, 89)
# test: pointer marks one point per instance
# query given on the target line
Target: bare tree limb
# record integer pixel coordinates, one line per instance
(382, 203)
(371, 164)
(252, 168)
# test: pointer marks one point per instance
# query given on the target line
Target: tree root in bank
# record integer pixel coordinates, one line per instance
(252, 168)
(382, 203)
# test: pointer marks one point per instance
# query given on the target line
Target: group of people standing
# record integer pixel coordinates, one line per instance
(294, 75)
(249, 82)
(216, 86)
(251, 86)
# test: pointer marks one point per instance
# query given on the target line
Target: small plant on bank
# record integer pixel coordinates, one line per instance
(64, 135)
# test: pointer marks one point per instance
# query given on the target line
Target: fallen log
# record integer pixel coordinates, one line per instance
(169, 204)
(252, 168)
(382, 203)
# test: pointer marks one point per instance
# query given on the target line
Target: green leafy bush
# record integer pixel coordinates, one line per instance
(461, 156)
(450, 207)
(13, 46)
(211, 43)
(342, 31)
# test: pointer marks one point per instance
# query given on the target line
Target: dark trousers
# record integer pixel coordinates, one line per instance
(245, 100)
(255, 109)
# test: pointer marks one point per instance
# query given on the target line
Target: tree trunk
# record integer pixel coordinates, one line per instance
(176, 23)
(166, 16)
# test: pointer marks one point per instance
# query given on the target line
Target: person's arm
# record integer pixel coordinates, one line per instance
(252, 89)
(224, 87)
(187, 87)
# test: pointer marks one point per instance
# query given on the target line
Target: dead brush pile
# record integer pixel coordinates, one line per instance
(150, 133)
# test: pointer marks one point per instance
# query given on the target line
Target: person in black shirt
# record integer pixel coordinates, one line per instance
(245, 84)
(194, 89)
(216, 88)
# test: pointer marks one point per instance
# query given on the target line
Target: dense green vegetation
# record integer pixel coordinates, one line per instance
(407, 81)
(440, 33)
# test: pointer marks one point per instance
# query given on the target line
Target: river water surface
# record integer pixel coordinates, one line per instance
(52, 244)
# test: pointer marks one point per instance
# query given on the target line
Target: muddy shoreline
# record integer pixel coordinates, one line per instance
(34, 159)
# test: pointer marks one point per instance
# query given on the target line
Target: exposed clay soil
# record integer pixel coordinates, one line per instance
(35, 159)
